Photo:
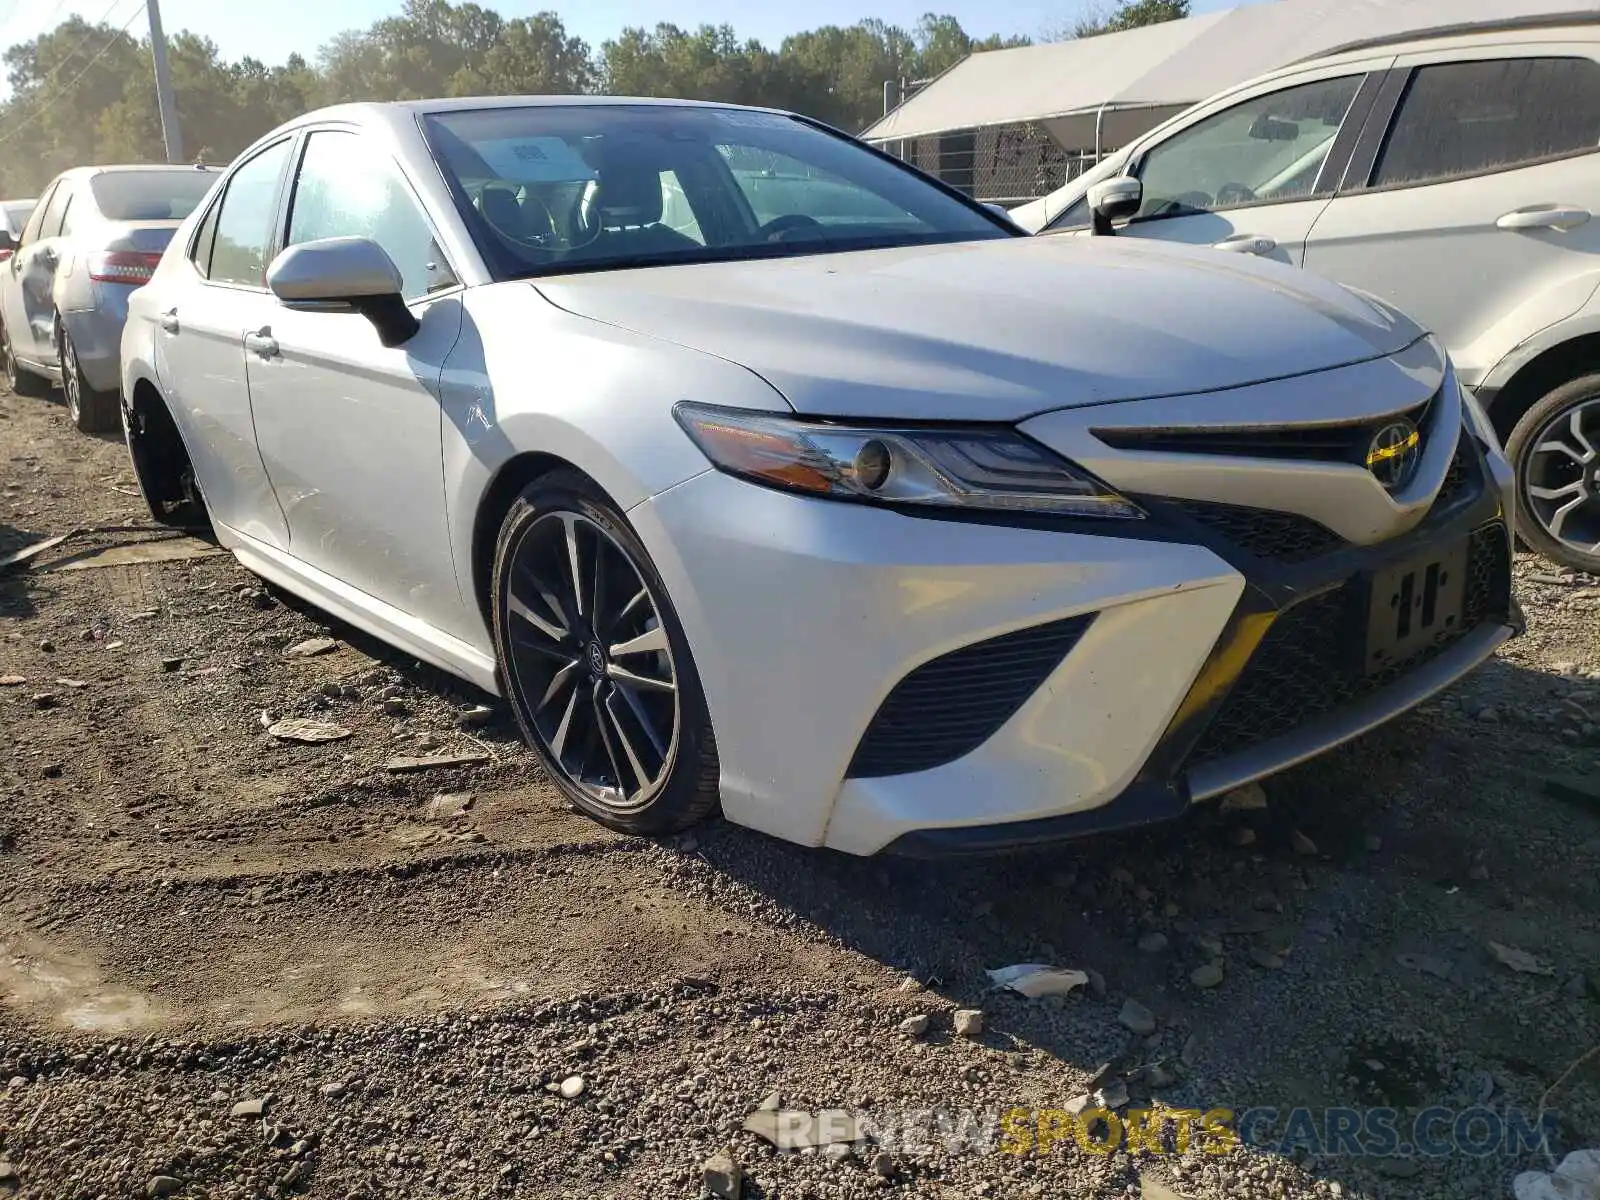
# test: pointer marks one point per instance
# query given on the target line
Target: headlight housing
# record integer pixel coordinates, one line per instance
(951, 467)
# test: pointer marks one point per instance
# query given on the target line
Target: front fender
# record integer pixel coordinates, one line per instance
(529, 378)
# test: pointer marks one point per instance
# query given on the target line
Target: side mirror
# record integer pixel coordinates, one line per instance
(1114, 200)
(999, 210)
(8, 243)
(345, 273)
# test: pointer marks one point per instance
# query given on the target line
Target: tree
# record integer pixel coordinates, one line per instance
(1130, 14)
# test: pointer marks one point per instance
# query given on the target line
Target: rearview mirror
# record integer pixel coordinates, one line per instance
(1271, 129)
(1114, 200)
(345, 272)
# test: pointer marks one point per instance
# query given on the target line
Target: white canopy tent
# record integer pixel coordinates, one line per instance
(1103, 91)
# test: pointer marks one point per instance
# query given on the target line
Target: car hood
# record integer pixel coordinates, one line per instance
(995, 330)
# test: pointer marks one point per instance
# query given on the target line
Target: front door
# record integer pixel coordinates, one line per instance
(1254, 176)
(1484, 197)
(30, 278)
(350, 431)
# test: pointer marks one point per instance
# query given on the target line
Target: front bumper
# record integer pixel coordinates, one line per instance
(1190, 661)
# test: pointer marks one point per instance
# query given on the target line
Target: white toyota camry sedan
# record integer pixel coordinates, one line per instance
(759, 472)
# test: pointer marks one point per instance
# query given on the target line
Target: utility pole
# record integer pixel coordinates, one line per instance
(171, 135)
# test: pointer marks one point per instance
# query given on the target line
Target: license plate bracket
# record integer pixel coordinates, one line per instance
(1415, 605)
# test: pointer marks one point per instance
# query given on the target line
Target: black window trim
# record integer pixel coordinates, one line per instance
(66, 209)
(1322, 188)
(292, 185)
(47, 217)
(39, 210)
(221, 197)
(1381, 125)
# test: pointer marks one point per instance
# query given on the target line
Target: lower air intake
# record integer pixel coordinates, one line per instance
(950, 706)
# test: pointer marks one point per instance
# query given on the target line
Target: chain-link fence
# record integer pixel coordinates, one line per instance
(1004, 164)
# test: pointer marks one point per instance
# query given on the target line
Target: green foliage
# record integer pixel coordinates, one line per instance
(84, 93)
(1130, 14)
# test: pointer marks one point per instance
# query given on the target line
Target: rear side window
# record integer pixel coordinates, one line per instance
(245, 219)
(150, 195)
(1470, 117)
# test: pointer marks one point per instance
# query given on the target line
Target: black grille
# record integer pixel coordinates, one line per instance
(1464, 475)
(1309, 663)
(1314, 443)
(1278, 536)
(949, 707)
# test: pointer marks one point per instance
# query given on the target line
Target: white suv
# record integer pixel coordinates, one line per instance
(1452, 174)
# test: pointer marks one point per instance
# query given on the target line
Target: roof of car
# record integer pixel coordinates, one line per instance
(1558, 20)
(389, 110)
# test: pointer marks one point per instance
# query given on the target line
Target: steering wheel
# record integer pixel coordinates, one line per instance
(775, 229)
(1234, 193)
(544, 236)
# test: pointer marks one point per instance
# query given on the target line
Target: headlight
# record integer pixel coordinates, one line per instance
(954, 467)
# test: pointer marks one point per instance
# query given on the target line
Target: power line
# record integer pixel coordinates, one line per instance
(71, 83)
(89, 37)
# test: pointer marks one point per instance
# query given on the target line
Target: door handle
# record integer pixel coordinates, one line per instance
(169, 320)
(1246, 243)
(1559, 217)
(262, 342)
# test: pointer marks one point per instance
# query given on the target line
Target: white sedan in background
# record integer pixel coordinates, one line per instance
(825, 497)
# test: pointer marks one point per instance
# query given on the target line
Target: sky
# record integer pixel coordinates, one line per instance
(271, 30)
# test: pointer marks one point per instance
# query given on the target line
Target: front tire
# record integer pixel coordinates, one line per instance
(91, 410)
(1555, 451)
(19, 379)
(596, 665)
(162, 466)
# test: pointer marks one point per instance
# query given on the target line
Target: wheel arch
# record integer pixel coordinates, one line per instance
(513, 478)
(1547, 370)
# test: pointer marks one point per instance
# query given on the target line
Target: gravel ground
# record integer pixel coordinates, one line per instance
(232, 966)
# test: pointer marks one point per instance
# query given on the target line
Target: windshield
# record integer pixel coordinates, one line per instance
(150, 195)
(555, 188)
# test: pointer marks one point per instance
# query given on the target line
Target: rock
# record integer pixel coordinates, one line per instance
(1477, 872)
(1153, 942)
(1577, 986)
(1372, 842)
(915, 1026)
(883, 1165)
(1519, 960)
(406, 764)
(170, 665)
(1157, 1076)
(1249, 798)
(1207, 975)
(18, 1081)
(8, 1173)
(1488, 715)
(1208, 944)
(476, 717)
(163, 1185)
(310, 648)
(251, 1108)
(395, 707)
(722, 1175)
(333, 1090)
(13, 680)
(447, 806)
(298, 729)
(1112, 1095)
(1301, 844)
(52, 770)
(1136, 1018)
(1243, 836)
(572, 1087)
(837, 1152)
(772, 1103)
(909, 985)
(968, 1022)
(1096, 987)
(1439, 968)
(1265, 958)
(45, 700)
(1080, 1104)
(47, 646)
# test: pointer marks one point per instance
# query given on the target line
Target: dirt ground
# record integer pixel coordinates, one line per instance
(236, 966)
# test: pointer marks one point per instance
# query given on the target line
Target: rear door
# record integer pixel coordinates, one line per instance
(1480, 195)
(1253, 174)
(199, 347)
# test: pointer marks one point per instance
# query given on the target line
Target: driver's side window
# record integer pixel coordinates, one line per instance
(1267, 148)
